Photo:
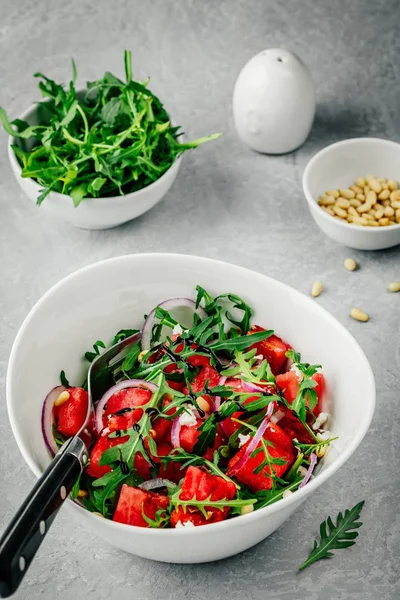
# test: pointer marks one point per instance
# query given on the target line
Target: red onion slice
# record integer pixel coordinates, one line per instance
(252, 387)
(122, 385)
(175, 433)
(171, 304)
(313, 462)
(217, 399)
(48, 418)
(153, 484)
(255, 440)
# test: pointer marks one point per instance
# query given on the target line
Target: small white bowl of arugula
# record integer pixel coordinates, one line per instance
(96, 158)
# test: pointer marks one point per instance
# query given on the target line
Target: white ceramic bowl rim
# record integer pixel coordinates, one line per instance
(311, 200)
(65, 197)
(229, 523)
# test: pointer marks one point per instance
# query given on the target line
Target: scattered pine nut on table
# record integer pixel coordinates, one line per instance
(317, 289)
(369, 202)
(359, 315)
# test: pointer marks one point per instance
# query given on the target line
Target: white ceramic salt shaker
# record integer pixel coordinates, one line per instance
(274, 102)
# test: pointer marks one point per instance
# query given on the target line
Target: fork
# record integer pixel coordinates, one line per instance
(25, 533)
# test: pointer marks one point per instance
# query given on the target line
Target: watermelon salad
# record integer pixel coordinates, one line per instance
(208, 417)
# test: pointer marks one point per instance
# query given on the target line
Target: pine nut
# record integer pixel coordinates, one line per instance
(360, 221)
(394, 287)
(356, 189)
(342, 202)
(394, 196)
(359, 315)
(350, 264)
(369, 178)
(347, 193)
(349, 218)
(153, 433)
(359, 197)
(363, 208)
(352, 211)
(321, 450)
(372, 223)
(375, 185)
(326, 200)
(386, 202)
(203, 404)
(371, 197)
(392, 184)
(367, 189)
(385, 186)
(370, 213)
(388, 211)
(382, 180)
(398, 215)
(334, 193)
(396, 204)
(340, 212)
(384, 221)
(98, 514)
(361, 182)
(62, 398)
(384, 195)
(317, 289)
(357, 202)
(379, 213)
(329, 210)
(142, 354)
(245, 510)
(82, 494)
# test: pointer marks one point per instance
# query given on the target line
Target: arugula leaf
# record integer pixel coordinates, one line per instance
(335, 537)
(122, 335)
(242, 341)
(202, 505)
(97, 347)
(117, 139)
(64, 380)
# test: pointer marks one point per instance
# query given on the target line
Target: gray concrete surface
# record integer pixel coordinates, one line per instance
(232, 204)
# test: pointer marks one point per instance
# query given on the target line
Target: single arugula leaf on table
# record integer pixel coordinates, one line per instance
(335, 537)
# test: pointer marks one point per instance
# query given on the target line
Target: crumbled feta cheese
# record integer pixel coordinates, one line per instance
(188, 417)
(323, 436)
(302, 471)
(243, 439)
(287, 493)
(177, 330)
(259, 357)
(320, 420)
(297, 371)
(185, 524)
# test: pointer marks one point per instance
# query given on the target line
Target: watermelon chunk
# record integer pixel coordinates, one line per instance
(202, 485)
(282, 448)
(133, 502)
(289, 385)
(102, 444)
(273, 349)
(71, 415)
(122, 409)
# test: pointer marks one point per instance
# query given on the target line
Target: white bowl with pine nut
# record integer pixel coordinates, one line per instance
(76, 311)
(337, 167)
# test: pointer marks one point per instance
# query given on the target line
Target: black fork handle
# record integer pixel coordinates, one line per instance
(25, 533)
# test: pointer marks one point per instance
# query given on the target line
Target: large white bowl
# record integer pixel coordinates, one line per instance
(92, 213)
(97, 301)
(338, 166)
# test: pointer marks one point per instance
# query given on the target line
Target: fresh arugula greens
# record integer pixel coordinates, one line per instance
(114, 139)
(335, 537)
(63, 379)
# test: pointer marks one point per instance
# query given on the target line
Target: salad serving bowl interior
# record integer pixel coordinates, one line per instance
(81, 309)
(92, 213)
(336, 167)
